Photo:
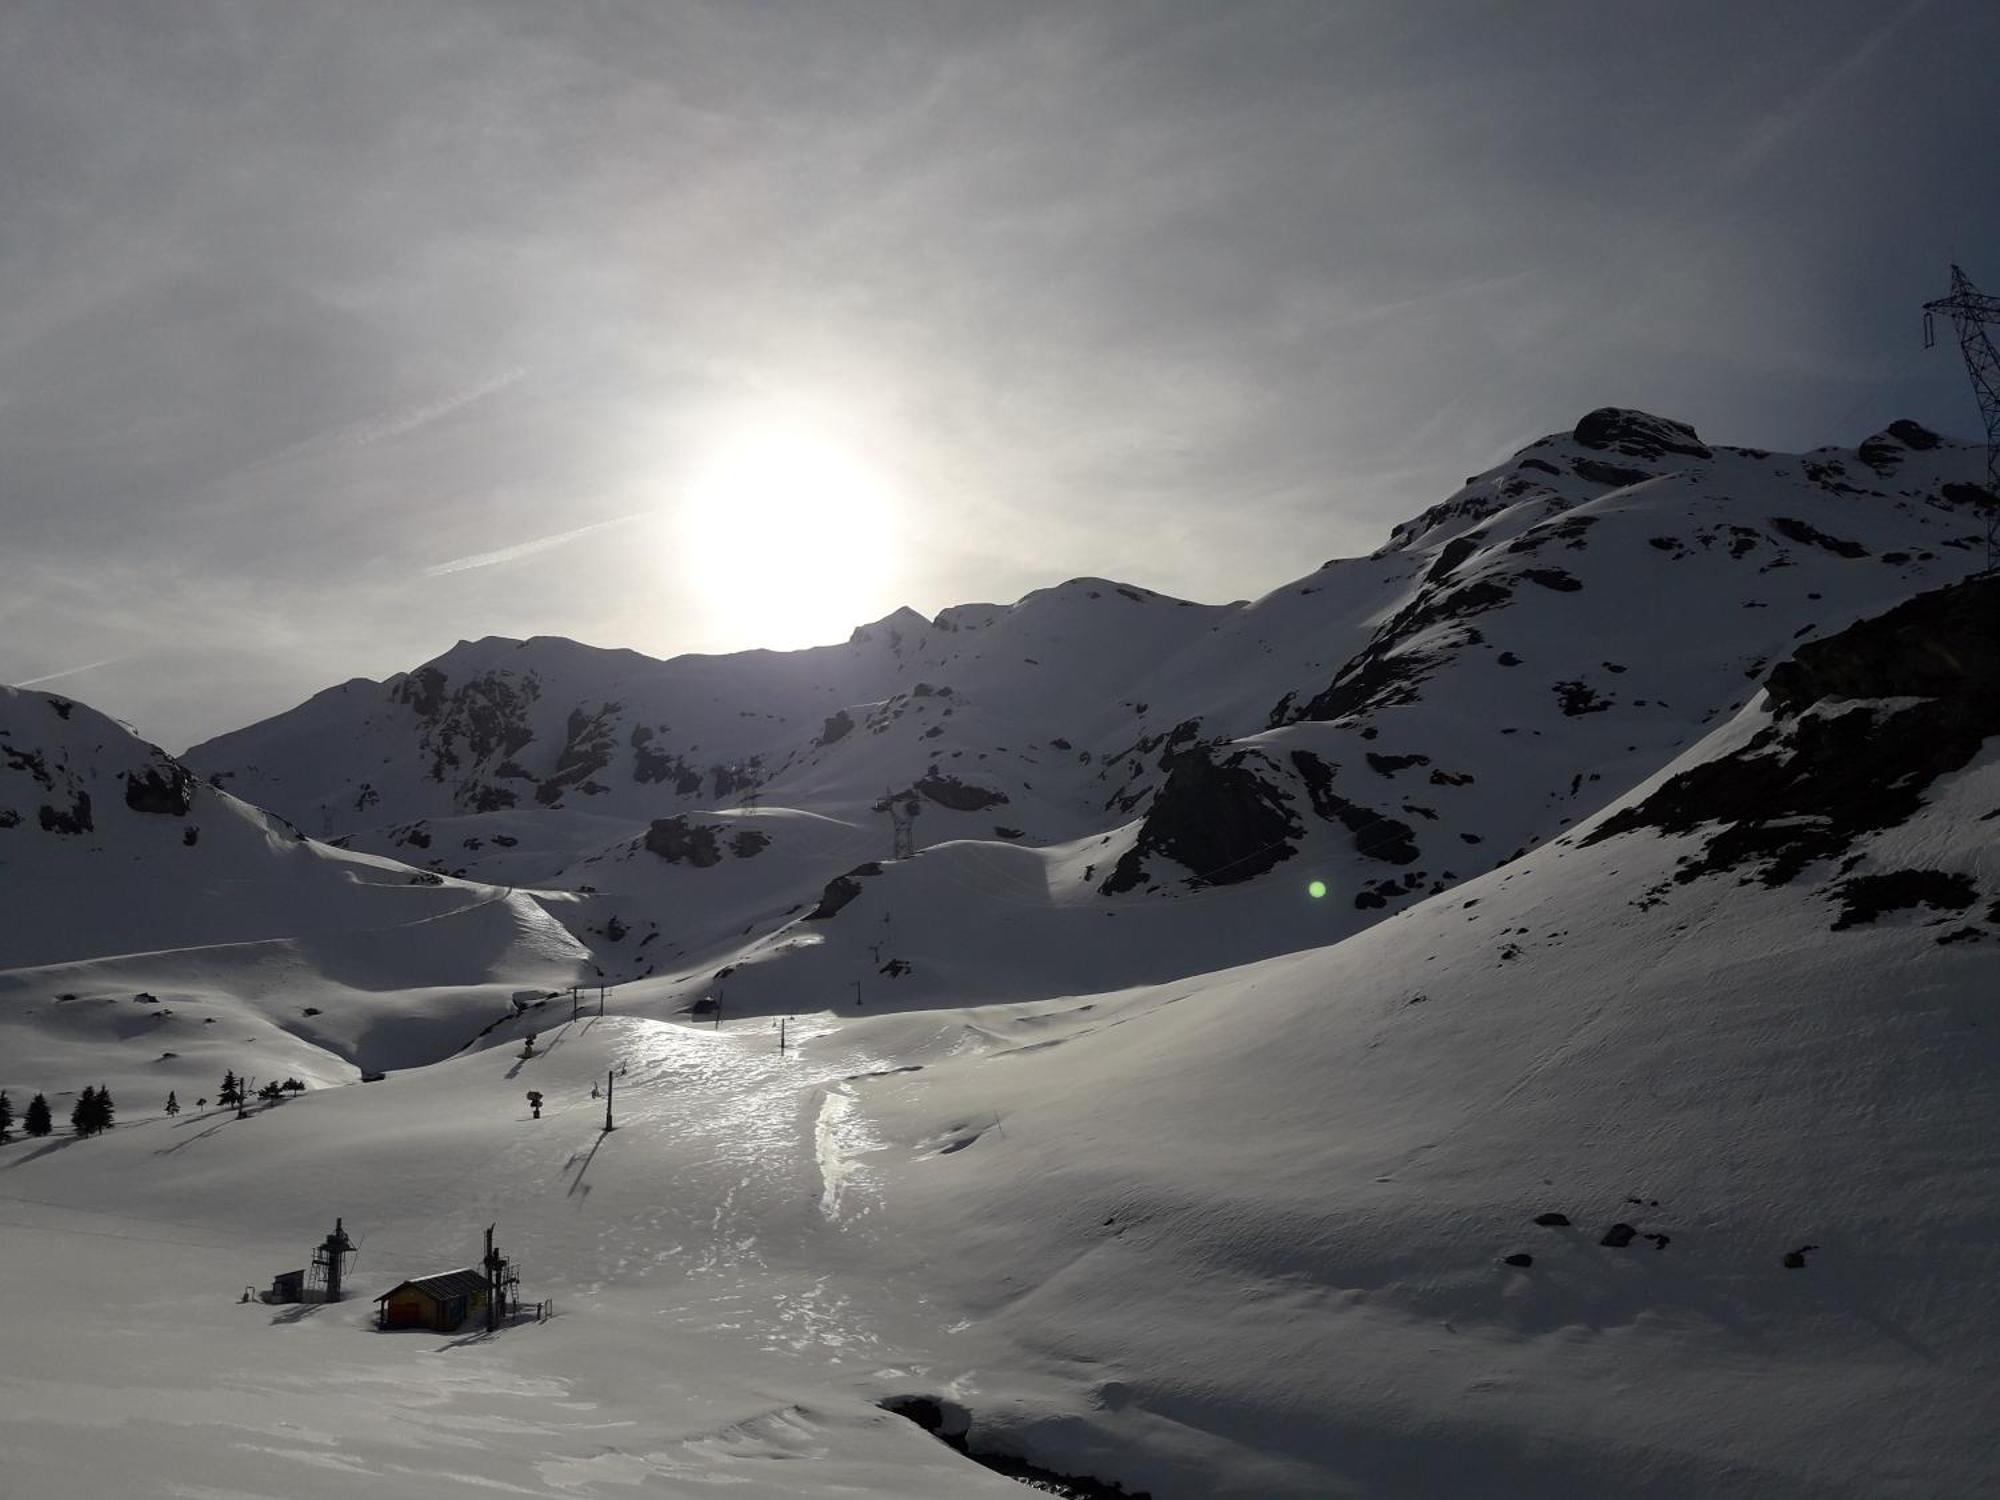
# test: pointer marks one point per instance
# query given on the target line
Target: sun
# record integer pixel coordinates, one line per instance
(786, 538)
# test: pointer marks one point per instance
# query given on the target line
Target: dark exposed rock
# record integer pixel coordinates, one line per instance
(959, 796)
(1371, 680)
(1552, 578)
(1863, 898)
(1886, 449)
(1799, 531)
(1552, 1220)
(1568, 530)
(1389, 765)
(1579, 698)
(1795, 1260)
(423, 691)
(1618, 1236)
(73, 819)
(190, 836)
(1454, 552)
(1521, 1258)
(30, 761)
(167, 789)
(1597, 471)
(1967, 494)
(1382, 892)
(9, 818)
(840, 890)
(1638, 434)
(485, 798)
(678, 842)
(838, 725)
(748, 843)
(1375, 836)
(1219, 819)
(1807, 786)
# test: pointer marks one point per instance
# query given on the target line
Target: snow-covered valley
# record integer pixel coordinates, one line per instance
(1511, 1015)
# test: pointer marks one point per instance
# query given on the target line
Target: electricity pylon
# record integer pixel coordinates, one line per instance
(1970, 310)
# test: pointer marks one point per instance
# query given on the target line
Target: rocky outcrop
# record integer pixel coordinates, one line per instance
(75, 818)
(958, 796)
(679, 842)
(1638, 434)
(1840, 762)
(840, 890)
(1219, 819)
(167, 789)
(1886, 449)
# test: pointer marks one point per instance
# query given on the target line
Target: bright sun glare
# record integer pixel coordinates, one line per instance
(787, 539)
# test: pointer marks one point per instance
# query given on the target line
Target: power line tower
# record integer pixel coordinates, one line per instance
(1970, 310)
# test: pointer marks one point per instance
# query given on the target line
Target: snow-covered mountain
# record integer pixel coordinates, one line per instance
(152, 921)
(1658, 1161)
(1388, 727)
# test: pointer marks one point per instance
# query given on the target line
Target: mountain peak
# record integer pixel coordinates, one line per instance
(1638, 434)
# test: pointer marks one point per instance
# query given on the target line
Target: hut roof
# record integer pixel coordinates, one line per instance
(444, 1284)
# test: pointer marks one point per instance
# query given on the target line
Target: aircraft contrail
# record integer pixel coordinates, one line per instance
(89, 666)
(525, 549)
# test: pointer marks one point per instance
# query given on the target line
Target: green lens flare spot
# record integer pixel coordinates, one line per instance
(1317, 889)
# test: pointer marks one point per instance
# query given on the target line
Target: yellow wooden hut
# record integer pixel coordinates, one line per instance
(442, 1302)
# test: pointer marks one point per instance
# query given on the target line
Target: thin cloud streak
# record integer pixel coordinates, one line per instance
(1772, 131)
(388, 426)
(526, 549)
(89, 666)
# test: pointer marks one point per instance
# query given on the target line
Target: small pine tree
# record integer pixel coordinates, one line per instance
(293, 1086)
(105, 1110)
(231, 1090)
(173, 1104)
(83, 1116)
(6, 1114)
(36, 1121)
(272, 1092)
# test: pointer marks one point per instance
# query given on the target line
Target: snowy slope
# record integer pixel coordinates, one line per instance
(1512, 661)
(158, 929)
(1242, 1233)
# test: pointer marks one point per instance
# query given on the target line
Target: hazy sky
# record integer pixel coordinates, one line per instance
(333, 332)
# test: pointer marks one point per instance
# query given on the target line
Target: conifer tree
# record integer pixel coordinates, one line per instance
(231, 1091)
(173, 1104)
(6, 1114)
(83, 1117)
(105, 1111)
(36, 1121)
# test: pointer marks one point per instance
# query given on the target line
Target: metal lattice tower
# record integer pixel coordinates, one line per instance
(1970, 310)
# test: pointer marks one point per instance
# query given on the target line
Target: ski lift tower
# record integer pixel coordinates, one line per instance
(329, 1262)
(1970, 310)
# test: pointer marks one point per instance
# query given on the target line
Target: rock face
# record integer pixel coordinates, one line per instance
(168, 790)
(841, 890)
(959, 796)
(1220, 819)
(1886, 450)
(1638, 434)
(678, 842)
(1866, 720)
